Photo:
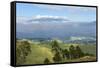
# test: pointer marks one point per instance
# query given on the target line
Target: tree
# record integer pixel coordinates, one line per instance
(57, 51)
(22, 51)
(46, 61)
(79, 52)
(75, 52)
(55, 45)
(19, 56)
(65, 54)
(57, 57)
(25, 45)
(72, 52)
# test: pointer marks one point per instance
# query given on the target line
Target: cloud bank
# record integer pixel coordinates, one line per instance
(42, 19)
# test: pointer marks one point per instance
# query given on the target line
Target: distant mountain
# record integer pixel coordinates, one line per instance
(54, 27)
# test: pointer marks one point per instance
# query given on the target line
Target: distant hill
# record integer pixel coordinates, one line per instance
(54, 28)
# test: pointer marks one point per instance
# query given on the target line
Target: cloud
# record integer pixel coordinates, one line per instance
(47, 16)
(22, 19)
(42, 19)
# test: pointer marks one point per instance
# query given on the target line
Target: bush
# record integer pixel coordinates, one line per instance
(79, 52)
(75, 52)
(22, 50)
(57, 51)
(57, 57)
(46, 61)
(55, 45)
(65, 54)
(72, 52)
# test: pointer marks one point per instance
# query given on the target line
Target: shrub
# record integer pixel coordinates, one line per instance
(22, 50)
(46, 61)
(72, 52)
(57, 57)
(65, 53)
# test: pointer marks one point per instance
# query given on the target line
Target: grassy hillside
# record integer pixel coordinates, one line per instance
(38, 55)
(41, 51)
(91, 49)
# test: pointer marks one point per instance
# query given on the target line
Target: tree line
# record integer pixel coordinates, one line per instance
(61, 54)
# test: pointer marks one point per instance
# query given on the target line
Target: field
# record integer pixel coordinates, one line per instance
(42, 51)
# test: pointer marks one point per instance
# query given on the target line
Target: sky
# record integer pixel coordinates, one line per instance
(73, 13)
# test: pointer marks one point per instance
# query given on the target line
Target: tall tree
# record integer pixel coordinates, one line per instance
(55, 45)
(22, 50)
(57, 57)
(72, 51)
(79, 52)
(65, 53)
(57, 51)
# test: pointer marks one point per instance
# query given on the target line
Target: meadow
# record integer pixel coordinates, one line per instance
(33, 52)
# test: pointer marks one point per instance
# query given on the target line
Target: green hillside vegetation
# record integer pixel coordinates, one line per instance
(91, 49)
(39, 54)
(28, 52)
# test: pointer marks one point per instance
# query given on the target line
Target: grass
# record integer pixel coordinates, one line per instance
(38, 55)
(91, 49)
(85, 58)
(42, 51)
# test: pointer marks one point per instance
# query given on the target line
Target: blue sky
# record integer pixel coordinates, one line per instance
(72, 13)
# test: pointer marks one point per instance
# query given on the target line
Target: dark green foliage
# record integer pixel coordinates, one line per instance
(75, 52)
(22, 50)
(79, 52)
(19, 57)
(26, 48)
(57, 51)
(65, 54)
(72, 51)
(55, 45)
(46, 61)
(57, 57)
(87, 54)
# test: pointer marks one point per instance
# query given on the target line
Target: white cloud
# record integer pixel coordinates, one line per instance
(41, 19)
(48, 16)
